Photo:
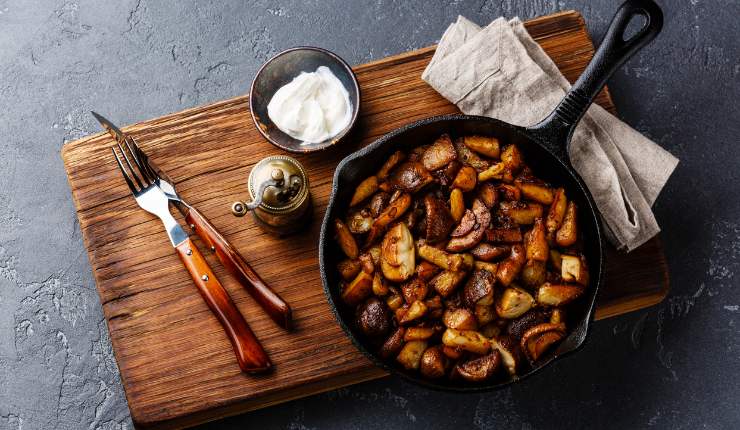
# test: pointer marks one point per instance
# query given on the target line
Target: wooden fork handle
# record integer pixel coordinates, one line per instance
(249, 353)
(268, 299)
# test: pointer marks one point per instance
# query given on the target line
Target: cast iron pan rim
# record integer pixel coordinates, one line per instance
(328, 143)
(324, 236)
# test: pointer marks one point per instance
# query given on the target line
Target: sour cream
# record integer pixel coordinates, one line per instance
(312, 108)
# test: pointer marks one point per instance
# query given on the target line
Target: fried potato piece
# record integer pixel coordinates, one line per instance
(520, 212)
(536, 192)
(535, 242)
(397, 257)
(495, 172)
(513, 303)
(378, 202)
(413, 290)
(392, 346)
(466, 156)
(466, 179)
(491, 268)
(391, 213)
(367, 188)
(460, 319)
(511, 266)
(484, 145)
(504, 235)
(348, 269)
(509, 193)
(534, 273)
(457, 204)
(426, 270)
(345, 239)
(380, 288)
(468, 340)
(488, 252)
(445, 260)
(360, 222)
(410, 177)
(447, 281)
(418, 333)
(392, 161)
(539, 339)
(488, 194)
(410, 355)
(568, 232)
(512, 158)
(558, 295)
(556, 213)
(439, 154)
(484, 314)
(573, 269)
(358, 290)
(415, 311)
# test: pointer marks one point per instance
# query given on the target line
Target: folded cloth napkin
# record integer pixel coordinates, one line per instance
(501, 72)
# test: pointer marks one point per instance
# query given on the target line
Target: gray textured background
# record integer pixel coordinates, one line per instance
(673, 366)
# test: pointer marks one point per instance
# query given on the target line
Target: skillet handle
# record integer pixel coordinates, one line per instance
(614, 51)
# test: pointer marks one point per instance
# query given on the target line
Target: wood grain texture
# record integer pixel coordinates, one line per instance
(176, 363)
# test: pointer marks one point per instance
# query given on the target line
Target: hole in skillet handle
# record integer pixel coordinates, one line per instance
(555, 131)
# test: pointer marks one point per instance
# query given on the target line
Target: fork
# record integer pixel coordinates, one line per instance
(249, 353)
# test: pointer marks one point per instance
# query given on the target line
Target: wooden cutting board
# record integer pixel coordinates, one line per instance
(177, 366)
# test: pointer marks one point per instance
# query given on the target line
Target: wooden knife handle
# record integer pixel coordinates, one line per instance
(249, 353)
(268, 299)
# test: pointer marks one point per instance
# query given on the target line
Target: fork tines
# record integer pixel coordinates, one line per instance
(145, 176)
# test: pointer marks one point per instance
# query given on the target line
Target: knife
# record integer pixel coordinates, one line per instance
(278, 310)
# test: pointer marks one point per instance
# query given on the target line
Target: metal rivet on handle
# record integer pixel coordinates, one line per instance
(192, 226)
(213, 248)
(189, 252)
(204, 277)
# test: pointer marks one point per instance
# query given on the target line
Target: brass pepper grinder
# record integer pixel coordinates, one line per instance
(281, 202)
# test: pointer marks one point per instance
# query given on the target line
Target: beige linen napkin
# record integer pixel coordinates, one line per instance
(501, 72)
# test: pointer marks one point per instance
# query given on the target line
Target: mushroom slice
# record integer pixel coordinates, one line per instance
(389, 164)
(453, 353)
(469, 340)
(511, 266)
(520, 212)
(558, 295)
(410, 355)
(413, 290)
(397, 256)
(466, 179)
(446, 175)
(367, 188)
(373, 317)
(439, 154)
(445, 260)
(488, 252)
(460, 319)
(345, 239)
(518, 326)
(378, 202)
(568, 231)
(433, 363)
(539, 338)
(358, 290)
(482, 220)
(479, 289)
(484, 145)
(411, 176)
(439, 222)
(467, 223)
(508, 354)
(360, 222)
(391, 213)
(513, 303)
(573, 269)
(446, 282)
(466, 156)
(393, 344)
(481, 368)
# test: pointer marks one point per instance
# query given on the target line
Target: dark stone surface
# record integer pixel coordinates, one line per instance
(673, 366)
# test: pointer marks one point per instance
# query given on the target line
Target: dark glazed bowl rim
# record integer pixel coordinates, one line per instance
(327, 143)
(325, 235)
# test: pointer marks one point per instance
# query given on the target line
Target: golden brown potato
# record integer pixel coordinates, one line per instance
(520, 212)
(466, 156)
(433, 363)
(556, 213)
(392, 346)
(410, 355)
(439, 154)
(488, 252)
(413, 290)
(504, 235)
(481, 368)
(534, 273)
(535, 242)
(447, 261)
(391, 213)
(466, 179)
(468, 340)
(435, 307)
(460, 319)
(380, 289)
(536, 192)
(513, 303)
(415, 311)
(447, 281)
(491, 268)
(558, 295)
(540, 338)
(426, 270)
(397, 258)
(557, 316)
(512, 158)
(509, 193)
(573, 269)
(358, 290)
(490, 330)
(392, 161)
(511, 266)
(394, 300)
(345, 239)
(410, 177)
(367, 188)
(556, 259)
(348, 269)
(495, 172)
(568, 232)
(484, 314)
(483, 145)
(488, 194)
(418, 333)
(360, 222)
(457, 204)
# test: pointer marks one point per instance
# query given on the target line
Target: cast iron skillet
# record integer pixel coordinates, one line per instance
(544, 147)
